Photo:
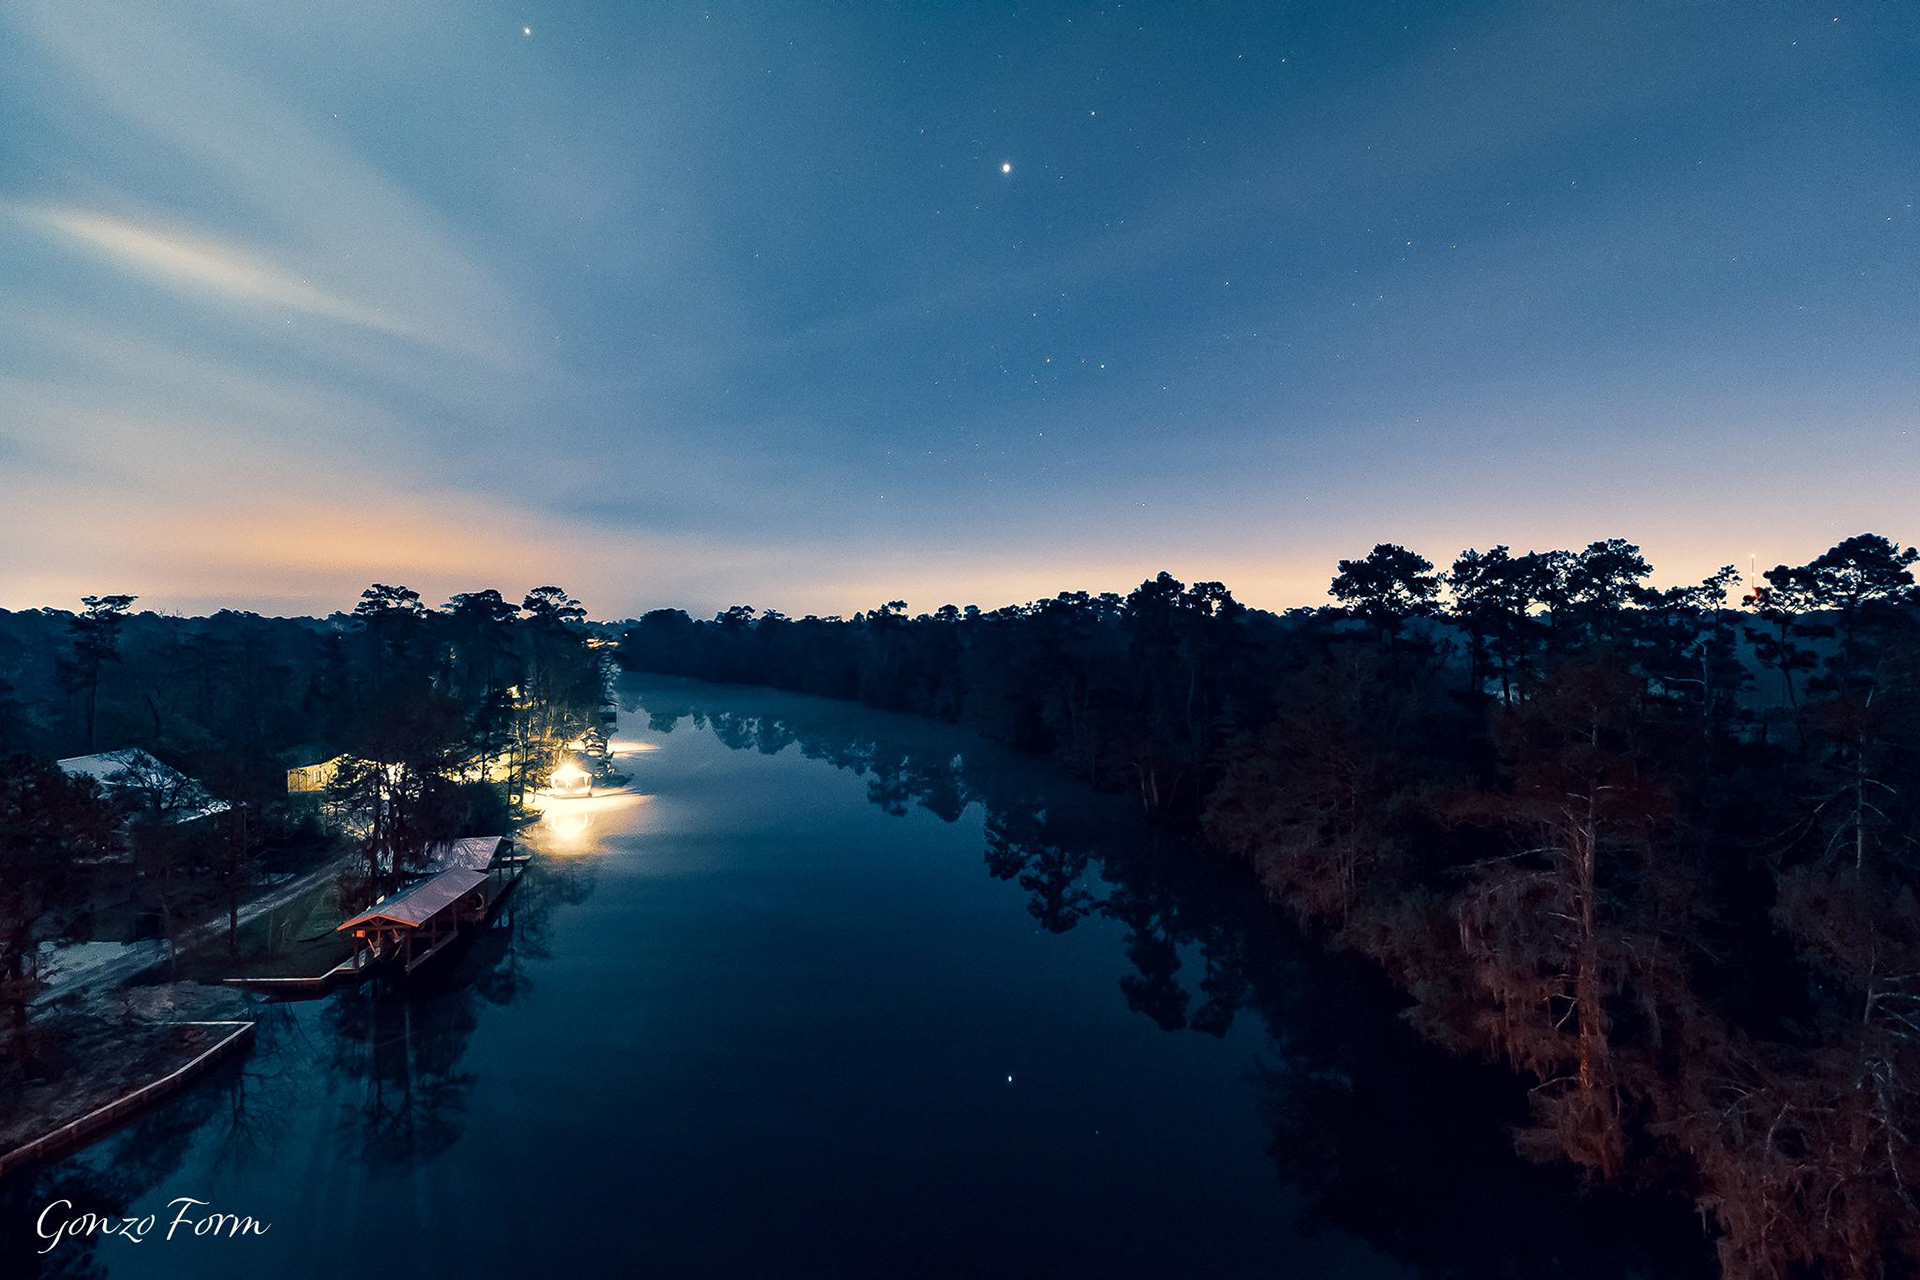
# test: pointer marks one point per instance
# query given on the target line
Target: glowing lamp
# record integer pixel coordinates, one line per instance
(570, 779)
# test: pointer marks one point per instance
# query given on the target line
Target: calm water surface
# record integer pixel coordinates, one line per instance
(841, 993)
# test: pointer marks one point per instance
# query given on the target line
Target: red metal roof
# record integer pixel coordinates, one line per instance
(416, 904)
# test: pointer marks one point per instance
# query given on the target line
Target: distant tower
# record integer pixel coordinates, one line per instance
(1756, 594)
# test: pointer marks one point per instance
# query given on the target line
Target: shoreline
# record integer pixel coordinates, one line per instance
(228, 1038)
(138, 959)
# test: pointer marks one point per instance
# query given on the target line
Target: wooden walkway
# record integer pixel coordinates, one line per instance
(358, 965)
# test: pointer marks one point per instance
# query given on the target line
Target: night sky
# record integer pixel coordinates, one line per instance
(815, 306)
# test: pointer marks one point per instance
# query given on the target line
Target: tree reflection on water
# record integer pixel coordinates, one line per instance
(1384, 1135)
(403, 1043)
(397, 1046)
(136, 1159)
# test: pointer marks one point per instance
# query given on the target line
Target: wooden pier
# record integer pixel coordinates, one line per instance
(352, 969)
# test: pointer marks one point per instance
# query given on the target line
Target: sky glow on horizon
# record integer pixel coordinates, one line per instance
(689, 306)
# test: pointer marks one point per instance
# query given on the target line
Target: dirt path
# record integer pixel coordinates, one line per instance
(102, 972)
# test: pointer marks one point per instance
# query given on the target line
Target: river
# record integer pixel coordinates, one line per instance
(842, 993)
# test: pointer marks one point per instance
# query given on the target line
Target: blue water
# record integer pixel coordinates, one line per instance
(841, 993)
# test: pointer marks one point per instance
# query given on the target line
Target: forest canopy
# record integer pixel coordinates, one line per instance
(1655, 850)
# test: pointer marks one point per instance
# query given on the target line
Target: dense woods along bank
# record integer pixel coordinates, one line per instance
(1657, 853)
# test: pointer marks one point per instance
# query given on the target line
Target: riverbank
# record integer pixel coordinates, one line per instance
(98, 966)
(99, 1070)
(291, 937)
(106, 1048)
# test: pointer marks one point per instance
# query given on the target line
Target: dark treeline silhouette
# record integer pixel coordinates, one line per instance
(235, 698)
(432, 723)
(1656, 853)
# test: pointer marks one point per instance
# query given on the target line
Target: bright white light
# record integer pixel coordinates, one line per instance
(1006, 167)
(526, 31)
(567, 828)
(569, 779)
(578, 826)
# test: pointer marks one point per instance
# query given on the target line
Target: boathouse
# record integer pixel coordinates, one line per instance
(415, 923)
(476, 853)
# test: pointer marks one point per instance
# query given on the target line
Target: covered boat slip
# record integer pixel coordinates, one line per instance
(480, 853)
(476, 853)
(418, 922)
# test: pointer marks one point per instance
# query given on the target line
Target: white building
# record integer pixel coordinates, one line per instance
(133, 777)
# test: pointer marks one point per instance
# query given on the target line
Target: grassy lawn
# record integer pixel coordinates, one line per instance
(292, 941)
(88, 1061)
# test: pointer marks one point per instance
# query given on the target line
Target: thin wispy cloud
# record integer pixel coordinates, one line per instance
(206, 265)
(324, 228)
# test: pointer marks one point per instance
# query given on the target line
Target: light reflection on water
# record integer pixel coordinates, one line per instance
(578, 824)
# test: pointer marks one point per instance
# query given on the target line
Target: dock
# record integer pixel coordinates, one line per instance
(352, 969)
(409, 928)
(465, 883)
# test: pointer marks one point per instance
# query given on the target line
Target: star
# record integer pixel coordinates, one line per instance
(526, 31)
(1006, 167)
